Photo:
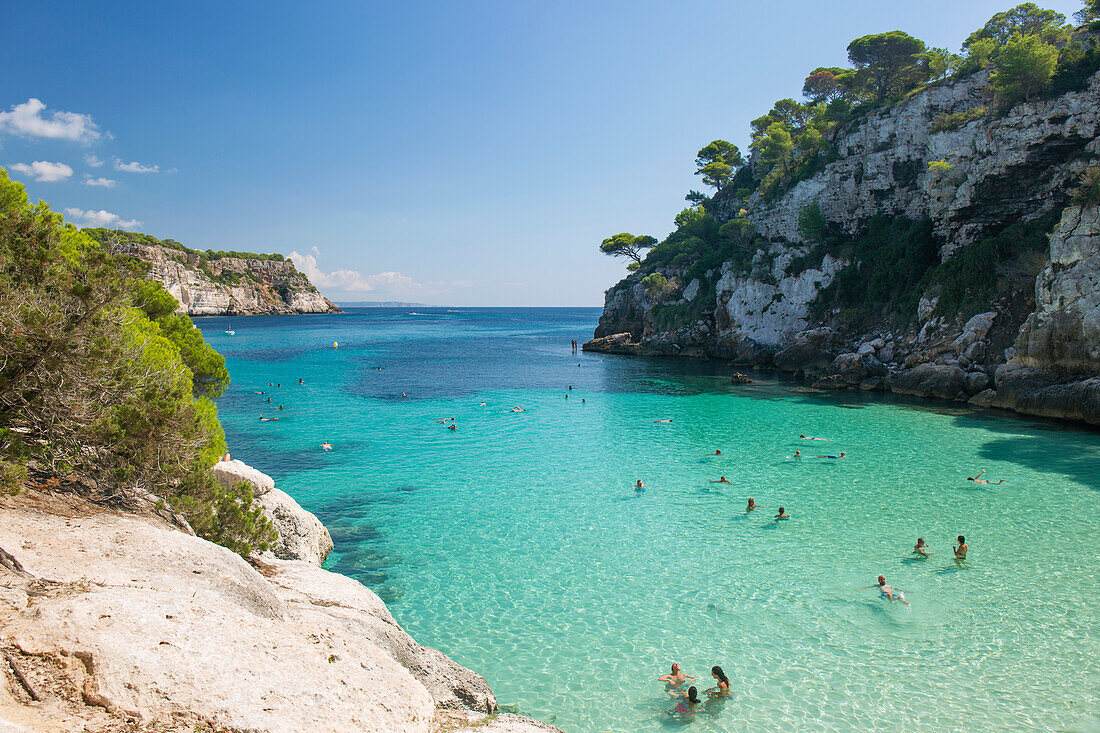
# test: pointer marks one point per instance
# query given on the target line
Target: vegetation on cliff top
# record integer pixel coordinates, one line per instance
(103, 389)
(1028, 52)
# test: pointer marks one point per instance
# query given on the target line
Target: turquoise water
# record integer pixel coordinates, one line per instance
(516, 543)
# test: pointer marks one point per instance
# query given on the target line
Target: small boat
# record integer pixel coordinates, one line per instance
(229, 330)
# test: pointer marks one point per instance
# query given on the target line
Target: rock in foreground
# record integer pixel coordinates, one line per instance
(122, 623)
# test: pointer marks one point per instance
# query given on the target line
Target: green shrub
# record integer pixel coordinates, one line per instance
(1089, 192)
(100, 382)
(943, 122)
(12, 478)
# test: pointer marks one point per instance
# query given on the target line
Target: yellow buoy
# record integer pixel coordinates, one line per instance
(335, 345)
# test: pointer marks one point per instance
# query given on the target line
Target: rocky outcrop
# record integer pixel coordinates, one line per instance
(123, 623)
(1063, 333)
(998, 169)
(232, 286)
(301, 534)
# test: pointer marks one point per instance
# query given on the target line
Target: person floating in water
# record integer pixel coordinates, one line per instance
(668, 420)
(270, 400)
(921, 549)
(979, 480)
(326, 446)
(797, 455)
(517, 408)
(718, 451)
(722, 480)
(752, 505)
(782, 514)
(808, 437)
(842, 454)
(584, 401)
(481, 404)
(268, 419)
(259, 393)
(674, 680)
(960, 550)
(452, 426)
(888, 591)
(300, 381)
(722, 689)
(404, 395)
(280, 407)
(639, 486)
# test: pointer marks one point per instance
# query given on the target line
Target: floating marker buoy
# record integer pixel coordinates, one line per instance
(335, 345)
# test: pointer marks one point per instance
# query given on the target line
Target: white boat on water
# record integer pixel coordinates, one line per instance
(229, 329)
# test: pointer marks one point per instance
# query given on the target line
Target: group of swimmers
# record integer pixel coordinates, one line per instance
(688, 701)
(261, 392)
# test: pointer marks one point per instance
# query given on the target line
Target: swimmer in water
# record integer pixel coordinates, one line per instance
(782, 514)
(722, 480)
(797, 455)
(718, 452)
(481, 404)
(921, 549)
(259, 393)
(300, 381)
(404, 395)
(280, 407)
(268, 419)
(452, 426)
(752, 505)
(674, 680)
(583, 401)
(518, 409)
(979, 480)
(960, 550)
(686, 708)
(639, 486)
(722, 689)
(888, 592)
(326, 446)
(833, 457)
(669, 420)
(808, 437)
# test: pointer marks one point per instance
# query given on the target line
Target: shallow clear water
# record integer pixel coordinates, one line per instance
(516, 543)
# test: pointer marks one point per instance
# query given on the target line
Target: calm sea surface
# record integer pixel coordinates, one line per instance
(517, 545)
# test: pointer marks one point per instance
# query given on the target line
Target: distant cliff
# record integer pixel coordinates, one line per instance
(940, 250)
(208, 283)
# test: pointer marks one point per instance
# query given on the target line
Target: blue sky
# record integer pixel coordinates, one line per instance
(466, 154)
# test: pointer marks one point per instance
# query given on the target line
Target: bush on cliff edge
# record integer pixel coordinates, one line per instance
(102, 389)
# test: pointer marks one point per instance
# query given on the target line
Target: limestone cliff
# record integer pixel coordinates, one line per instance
(217, 284)
(970, 181)
(123, 622)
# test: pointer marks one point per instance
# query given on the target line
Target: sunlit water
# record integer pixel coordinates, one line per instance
(517, 545)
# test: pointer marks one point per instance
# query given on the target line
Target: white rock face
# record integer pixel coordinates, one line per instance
(143, 622)
(1000, 168)
(249, 286)
(1064, 331)
(230, 472)
(301, 534)
(772, 314)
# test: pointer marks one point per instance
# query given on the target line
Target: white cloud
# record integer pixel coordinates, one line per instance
(93, 161)
(353, 281)
(43, 170)
(135, 167)
(102, 182)
(101, 218)
(27, 120)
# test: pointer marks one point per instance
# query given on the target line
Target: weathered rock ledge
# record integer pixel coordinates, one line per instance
(113, 622)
